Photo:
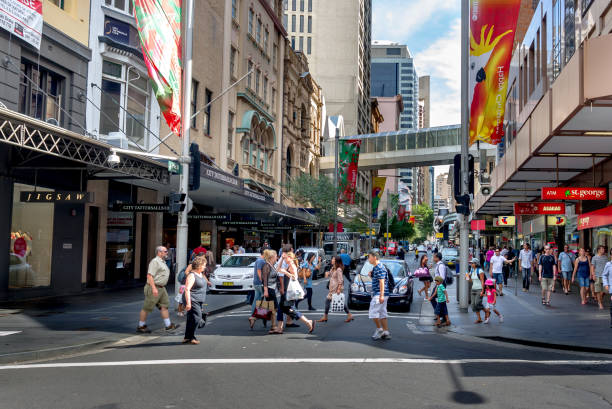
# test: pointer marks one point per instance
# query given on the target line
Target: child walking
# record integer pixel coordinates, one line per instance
(441, 298)
(490, 301)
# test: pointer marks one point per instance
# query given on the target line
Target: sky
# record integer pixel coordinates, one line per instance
(431, 29)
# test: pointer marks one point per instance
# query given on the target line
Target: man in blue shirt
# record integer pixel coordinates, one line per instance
(566, 266)
(378, 305)
(346, 262)
(257, 283)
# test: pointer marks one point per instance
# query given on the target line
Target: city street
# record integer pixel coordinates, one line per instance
(337, 366)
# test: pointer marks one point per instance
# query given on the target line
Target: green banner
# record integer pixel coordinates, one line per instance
(348, 170)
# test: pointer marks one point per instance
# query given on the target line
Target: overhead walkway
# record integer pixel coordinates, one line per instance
(403, 149)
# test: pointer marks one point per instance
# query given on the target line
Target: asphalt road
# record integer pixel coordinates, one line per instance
(339, 366)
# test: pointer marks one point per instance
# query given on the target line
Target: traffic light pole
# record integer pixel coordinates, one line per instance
(182, 227)
(462, 283)
(336, 153)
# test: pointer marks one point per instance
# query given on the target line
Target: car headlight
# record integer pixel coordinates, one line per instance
(213, 276)
(247, 276)
(403, 289)
(395, 290)
(362, 289)
(354, 287)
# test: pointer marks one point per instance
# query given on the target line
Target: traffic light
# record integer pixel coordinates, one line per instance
(194, 167)
(457, 176)
(177, 202)
(463, 204)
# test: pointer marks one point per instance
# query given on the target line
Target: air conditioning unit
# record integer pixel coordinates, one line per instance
(116, 139)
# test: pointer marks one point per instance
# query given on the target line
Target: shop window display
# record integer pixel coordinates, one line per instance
(30, 252)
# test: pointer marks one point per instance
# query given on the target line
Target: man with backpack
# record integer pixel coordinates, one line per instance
(380, 296)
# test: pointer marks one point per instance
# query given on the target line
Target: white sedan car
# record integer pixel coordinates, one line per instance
(235, 274)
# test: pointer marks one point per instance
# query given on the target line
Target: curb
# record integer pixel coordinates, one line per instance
(540, 344)
(45, 354)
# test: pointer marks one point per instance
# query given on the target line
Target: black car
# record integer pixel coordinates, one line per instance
(401, 296)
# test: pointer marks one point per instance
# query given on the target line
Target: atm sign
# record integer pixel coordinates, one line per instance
(574, 193)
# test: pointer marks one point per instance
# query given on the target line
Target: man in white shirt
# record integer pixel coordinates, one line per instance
(526, 262)
(496, 269)
(440, 267)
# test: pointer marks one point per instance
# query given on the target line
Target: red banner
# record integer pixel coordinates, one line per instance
(348, 170)
(401, 213)
(574, 193)
(478, 225)
(538, 208)
(601, 217)
(492, 30)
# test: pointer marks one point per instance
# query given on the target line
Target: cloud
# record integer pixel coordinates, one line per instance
(442, 61)
(397, 20)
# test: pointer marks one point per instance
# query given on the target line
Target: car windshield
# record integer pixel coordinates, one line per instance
(240, 261)
(449, 252)
(397, 269)
(329, 248)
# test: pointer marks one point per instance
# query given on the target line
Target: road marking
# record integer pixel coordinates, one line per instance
(5, 333)
(365, 314)
(308, 361)
(413, 328)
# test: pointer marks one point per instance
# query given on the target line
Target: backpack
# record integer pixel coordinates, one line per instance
(390, 280)
(182, 277)
(448, 278)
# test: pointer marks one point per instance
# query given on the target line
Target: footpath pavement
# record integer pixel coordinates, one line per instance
(52, 327)
(565, 325)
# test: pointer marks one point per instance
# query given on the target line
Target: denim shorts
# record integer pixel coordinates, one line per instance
(583, 281)
(567, 275)
(499, 278)
(441, 309)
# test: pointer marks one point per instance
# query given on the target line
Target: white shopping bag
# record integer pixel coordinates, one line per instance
(295, 291)
(337, 303)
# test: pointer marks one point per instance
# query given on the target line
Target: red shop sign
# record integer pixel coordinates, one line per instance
(478, 225)
(538, 208)
(601, 217)
(574, 193)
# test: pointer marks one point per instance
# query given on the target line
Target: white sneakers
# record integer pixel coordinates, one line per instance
(377, 334)
(486, 321)
(501, 319)
(386, 335)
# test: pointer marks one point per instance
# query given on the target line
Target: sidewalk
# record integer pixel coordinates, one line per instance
(566, 324)
(54, 327)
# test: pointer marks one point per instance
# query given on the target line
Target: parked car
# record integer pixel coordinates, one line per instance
(321, 260)
(402, 295)
(450, 256)
(422, 249)
(235, 274)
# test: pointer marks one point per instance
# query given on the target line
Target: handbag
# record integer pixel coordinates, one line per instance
(421, 273)
(294, 291)
(337, 302)
(304, 273)
(263, 309)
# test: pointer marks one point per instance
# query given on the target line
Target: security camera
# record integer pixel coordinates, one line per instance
(113, 159)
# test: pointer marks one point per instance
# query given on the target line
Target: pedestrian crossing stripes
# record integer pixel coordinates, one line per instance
(5, 333)
(240, 361)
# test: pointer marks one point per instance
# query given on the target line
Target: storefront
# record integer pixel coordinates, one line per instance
(596, 228)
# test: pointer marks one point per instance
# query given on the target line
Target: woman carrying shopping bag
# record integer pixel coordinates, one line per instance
(288, 303)
(336, 289)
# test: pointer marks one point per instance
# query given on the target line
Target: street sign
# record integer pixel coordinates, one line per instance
(440, 235)
(505, 221)
(478, 225)
(140, 207)
(574, 193)
(174, 167)
(527, 208)
(555, 220)
(376, 227)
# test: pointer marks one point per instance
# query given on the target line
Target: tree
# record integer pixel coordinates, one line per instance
(424, 219)
(401, 230)
(317, 193)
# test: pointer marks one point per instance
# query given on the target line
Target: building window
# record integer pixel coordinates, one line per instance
(235, 9)
(293, 42)
(232, 63)
(265, 89)
(251, 17)
(273, 100)
(126, 6)
(394, 51)
(286, 21)
(249, 69)
(207, 110)
(258, 35)
(266, 37)
(407, 72)
(294, 5)
(585, 5)
(301, 24)
(31, 248)
(301, 5)
(257, 76)
(274, 55)
(285, 4)
(310, 5)
(309, 45)
(293, 23)
(121, 114)
(230, 135)
(34, 83)
(58, 3)
(310, 24)
(194, 102)
(301, 43)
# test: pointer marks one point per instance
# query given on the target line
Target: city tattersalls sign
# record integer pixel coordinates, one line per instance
(529, 208)
(54, 197)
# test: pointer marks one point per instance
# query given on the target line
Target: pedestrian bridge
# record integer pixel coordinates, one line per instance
(403, 149)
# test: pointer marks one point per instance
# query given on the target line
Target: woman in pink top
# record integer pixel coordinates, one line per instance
(489, 254)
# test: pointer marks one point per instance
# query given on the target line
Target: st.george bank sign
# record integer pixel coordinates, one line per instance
(574, 193)
(522, 209)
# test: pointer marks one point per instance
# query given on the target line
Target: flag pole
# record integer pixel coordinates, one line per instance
(182, 226)
(462, 284)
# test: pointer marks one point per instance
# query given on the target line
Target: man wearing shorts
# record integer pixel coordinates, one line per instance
(566, 266)
(378, 305)
(598, 263)
(496, 269)
(547, 273)
(155, 292)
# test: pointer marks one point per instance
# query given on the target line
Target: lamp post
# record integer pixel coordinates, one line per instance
(336, 153)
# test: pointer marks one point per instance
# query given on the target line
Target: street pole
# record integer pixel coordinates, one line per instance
(465, 118)
(387, 218)
(182, 226)
(336, 154)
